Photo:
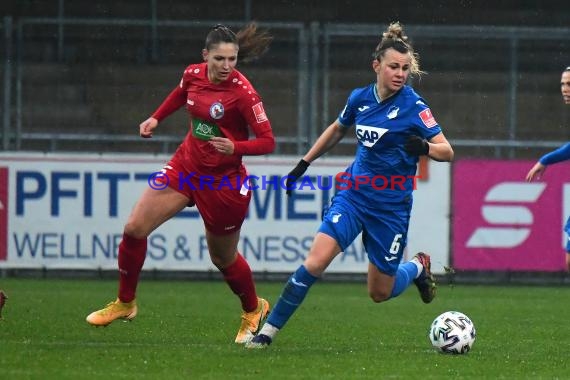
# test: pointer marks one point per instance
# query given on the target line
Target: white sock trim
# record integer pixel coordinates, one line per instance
(269, 330)
(419, 265)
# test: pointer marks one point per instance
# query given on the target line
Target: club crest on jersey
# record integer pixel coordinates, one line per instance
(368, 135)
(217, 110)
(392, 112)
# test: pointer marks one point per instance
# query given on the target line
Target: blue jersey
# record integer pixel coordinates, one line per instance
(382, 128)
(558, 155)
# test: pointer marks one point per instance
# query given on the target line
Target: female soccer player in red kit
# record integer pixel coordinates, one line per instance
(222, 104)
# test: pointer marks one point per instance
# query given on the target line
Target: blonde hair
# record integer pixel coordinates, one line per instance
(394, 38)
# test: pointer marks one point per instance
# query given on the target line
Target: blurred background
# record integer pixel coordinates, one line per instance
(76, 79)
(80, 76)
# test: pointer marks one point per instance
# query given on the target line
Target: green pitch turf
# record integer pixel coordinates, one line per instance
(185, 330)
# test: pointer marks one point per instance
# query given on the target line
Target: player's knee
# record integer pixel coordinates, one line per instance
(223, 261)
(135, 230)
(379, 295)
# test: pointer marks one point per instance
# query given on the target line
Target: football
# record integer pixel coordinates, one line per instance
(452, 333)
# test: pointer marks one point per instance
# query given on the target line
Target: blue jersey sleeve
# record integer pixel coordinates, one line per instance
(424, 121)
(558, 155)
(348, 114)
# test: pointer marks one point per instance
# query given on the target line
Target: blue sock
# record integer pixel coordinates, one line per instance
(293, 294)
(404, 277)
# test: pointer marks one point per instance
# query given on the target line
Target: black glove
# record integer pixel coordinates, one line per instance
(417, 146)
(294, 175)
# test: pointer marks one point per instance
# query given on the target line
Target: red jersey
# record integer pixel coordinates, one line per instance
(225, 109)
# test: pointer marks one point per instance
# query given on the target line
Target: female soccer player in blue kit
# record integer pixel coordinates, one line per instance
(394, 126)
(558, 155)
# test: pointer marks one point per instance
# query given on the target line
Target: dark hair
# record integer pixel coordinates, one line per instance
(251, 42)
(567, 69)
(394, 38)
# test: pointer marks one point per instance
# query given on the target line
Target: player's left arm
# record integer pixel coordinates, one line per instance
(264, 141)
(428, 138)
(440, 149)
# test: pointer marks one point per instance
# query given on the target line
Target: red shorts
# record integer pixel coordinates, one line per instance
(223, 201)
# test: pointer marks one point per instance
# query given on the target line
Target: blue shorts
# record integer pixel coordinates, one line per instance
(384, 232)
(567, 230)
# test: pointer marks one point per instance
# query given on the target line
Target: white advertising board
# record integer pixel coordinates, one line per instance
(68, 211)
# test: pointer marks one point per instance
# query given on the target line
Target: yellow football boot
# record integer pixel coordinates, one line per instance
(113, 310)
(252, 322)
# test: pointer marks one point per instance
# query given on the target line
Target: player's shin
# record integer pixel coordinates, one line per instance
(292, 296)
(132, 253)
(405, 275)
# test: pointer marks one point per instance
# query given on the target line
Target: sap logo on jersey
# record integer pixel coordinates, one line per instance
(369, 135)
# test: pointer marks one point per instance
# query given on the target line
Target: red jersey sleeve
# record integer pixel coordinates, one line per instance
(175, 100)
(264, 141)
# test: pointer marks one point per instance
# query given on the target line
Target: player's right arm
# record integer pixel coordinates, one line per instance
(558, 155)
(326, 141)
(147, 126)
(535, 172)
(334, 132)
(176, 99)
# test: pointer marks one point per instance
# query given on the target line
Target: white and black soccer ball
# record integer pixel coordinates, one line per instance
(452, 333)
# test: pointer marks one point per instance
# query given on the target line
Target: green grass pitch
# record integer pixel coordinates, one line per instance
(185, 330)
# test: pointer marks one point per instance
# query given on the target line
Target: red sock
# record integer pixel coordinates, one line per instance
(132, 252)
(238, 276)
